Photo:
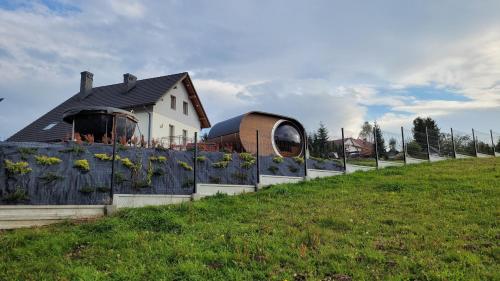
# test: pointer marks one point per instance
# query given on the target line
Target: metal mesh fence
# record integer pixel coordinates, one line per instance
(496, 140)
(464, 144)
(440, 145)
(360, 152)
(416, 145)
(484, 144)
(390, 148)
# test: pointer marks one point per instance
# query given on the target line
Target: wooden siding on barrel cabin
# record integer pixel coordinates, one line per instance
(248, 128)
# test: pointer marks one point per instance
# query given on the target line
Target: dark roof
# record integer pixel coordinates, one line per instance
(226, 127)
(70, 114)
(232, 125)
(145, 92)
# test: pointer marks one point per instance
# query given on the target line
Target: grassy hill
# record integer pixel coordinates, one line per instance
(435, 221)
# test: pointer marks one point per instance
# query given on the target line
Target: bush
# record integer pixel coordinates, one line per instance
(86, 190)
(185, 165)
(17, 168)
(273, 169)
(413, 148)
(278, 159)
(299, 160)
(119, 178)
(134, 167)
(76, 149)
(105, 157)
(227, 157)
(220, 164)
(26, 151)
(50, 177)
(82, 165)
(201, 159)
(293, 169)
(246, 156)
(45, 160)
(18, 195)
(161, 159)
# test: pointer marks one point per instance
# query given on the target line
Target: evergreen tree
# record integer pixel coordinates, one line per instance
(380, 141)
(497, 149)
(419, 125)
(366, 132)
(322, 140)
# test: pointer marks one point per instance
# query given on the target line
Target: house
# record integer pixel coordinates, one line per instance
(168, 108)
(356, 147)
(278, 135)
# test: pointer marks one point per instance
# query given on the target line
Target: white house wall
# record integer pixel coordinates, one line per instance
(143, 122)
(163, 115)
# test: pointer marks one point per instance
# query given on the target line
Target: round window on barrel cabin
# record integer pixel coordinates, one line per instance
(287, 140)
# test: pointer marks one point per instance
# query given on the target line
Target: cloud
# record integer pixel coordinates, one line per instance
(328, 61)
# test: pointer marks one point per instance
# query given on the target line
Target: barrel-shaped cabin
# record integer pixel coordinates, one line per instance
(278, 135)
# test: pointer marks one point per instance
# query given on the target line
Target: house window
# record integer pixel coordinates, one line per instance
(185, 108)
(50, 126)
(173, 102)
(184, 136)
(171, 133)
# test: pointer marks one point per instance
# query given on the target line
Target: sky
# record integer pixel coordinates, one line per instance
(336, 62)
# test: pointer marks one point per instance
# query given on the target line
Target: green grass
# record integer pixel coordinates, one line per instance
(434, 221)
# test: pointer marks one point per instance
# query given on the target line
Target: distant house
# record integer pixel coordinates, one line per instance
(357, 147)
(167, 107)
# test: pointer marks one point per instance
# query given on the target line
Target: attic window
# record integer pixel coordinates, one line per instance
(50, 126)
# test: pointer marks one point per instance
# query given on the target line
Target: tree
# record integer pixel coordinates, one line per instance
(318, 142)
(366, 132)
(498, 146)
(392, 145)
(322, 140)
(380, 141)
(414, 149)
(419, 127)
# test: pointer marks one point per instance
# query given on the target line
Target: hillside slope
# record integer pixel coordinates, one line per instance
(435, 221)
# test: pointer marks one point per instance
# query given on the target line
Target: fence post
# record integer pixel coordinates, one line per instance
(344, 156)
(113, 138)
(453, 144)
(376, 145)
(258, 161)
(428, 146)
(404, 145)
(493, 144)
(195, 163)
(305, 155)
(475, 143)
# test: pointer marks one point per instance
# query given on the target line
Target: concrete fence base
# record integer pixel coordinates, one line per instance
(17, 216)
(350, 168)
(436, 158)
(497, 154)
(205, 189)
(462, 156)
(266, 180)
(141, 200)
(411, 160)
(313, 173)
(481, 155)
(385, 164)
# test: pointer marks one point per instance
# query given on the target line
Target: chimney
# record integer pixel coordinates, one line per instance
(129, 81)
(86, 84)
